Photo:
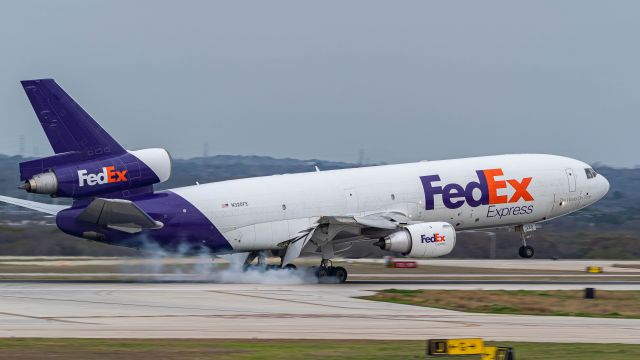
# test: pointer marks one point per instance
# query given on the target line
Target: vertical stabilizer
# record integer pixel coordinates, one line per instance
(68, 127)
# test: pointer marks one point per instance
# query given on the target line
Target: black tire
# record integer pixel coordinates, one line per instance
(529, 252)
(340, 274)
(322, 272)
(526, 252)
(290, 267)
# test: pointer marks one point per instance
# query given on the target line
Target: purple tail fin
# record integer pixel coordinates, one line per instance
(68, 127)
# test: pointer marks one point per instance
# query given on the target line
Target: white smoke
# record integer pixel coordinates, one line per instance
(189, 266)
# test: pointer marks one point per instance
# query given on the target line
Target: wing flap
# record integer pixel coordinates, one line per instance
(295, 247)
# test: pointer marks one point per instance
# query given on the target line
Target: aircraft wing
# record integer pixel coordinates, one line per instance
(33, 205)
(383, 221)
(380, 220)
(118, 214)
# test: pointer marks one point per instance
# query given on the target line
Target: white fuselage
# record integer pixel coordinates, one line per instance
(258, 213)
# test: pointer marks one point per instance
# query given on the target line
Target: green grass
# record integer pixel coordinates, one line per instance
(188, 349)
(607, 304)
(403, 292)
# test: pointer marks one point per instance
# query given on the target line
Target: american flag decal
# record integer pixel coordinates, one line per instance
(225, 206)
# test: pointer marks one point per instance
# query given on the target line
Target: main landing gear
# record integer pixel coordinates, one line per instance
(326, 273)
(260, 258)
(329, 274)
(525, 251)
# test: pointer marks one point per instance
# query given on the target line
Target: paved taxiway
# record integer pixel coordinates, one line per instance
(312, 311)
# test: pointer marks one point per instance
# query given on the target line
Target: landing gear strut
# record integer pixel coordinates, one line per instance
(526, 251)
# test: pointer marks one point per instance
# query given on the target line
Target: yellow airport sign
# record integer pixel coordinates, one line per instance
(467, 346)
(437, 347)
(497, 353)
(489, 353)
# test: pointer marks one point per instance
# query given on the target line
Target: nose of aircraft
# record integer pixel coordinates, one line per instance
(603, 186)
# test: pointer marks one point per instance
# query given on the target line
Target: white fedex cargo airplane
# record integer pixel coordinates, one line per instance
(413, 209)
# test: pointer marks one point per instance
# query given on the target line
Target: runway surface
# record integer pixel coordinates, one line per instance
(302, 311)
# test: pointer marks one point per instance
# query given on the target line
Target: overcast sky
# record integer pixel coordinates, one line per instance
(403, 80)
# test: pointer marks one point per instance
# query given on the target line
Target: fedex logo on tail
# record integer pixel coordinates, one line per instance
(436, 238)
(107, 176)
(490, 188)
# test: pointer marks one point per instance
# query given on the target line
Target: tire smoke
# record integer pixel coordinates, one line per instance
(197, 265)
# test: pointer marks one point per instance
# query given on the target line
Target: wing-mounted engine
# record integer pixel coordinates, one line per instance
(68, 175)
(432, 239)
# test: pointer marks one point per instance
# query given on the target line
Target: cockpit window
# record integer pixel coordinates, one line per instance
(590, 173)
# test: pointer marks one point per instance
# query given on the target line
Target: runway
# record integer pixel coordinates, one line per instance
(301, 311)
(168, 298)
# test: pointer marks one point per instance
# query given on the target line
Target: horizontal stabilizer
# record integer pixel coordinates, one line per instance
(41, 207)
(118, 214)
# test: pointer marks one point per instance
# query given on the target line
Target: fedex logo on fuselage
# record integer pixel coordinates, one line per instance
(107, 176)
(436, 238)
(489, 185)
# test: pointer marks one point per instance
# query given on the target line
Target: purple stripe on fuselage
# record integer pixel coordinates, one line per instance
(184, 225)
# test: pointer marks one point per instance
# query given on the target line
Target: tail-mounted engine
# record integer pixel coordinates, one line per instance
(66, 175)
(426, 240)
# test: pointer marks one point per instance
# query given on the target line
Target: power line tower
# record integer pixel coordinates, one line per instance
(360, 157)
(205, 150)
(22, 144)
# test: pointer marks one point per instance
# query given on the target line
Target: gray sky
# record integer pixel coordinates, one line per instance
(402, 80)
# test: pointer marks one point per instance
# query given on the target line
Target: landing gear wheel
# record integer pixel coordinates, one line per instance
(290, 267)
(526, 252)
(340, 274)
(322, 273)
(331, 275)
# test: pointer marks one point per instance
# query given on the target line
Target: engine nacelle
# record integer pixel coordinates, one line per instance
(76, 179)
(427, 240)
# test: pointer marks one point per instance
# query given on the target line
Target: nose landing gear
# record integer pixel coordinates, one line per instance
(525, 251)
